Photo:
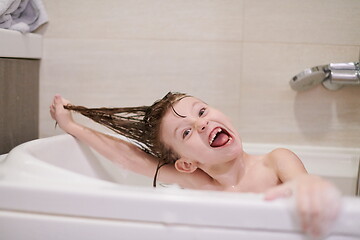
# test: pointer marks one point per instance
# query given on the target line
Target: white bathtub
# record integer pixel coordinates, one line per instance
(57, 188)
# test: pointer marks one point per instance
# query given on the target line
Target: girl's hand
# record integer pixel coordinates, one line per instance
(62, 116)
(317, 202)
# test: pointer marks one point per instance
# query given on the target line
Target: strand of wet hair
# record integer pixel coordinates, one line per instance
(157, 171)
(128, 122)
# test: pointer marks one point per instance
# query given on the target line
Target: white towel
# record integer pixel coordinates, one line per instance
(23, 4)
(25, 15)
(6, 8)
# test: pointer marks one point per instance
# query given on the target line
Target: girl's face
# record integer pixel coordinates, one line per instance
(201, 134)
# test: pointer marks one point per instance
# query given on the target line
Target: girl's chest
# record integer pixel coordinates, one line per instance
(257, 179)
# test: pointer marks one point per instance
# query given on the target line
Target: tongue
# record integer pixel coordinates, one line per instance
(220, 139)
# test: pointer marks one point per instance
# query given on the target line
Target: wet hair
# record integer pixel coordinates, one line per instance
(140, 124)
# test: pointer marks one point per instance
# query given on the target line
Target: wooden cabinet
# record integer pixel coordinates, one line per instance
(19, 102)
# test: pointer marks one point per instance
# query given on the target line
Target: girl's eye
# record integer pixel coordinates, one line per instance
(186, 132)
(201, 112)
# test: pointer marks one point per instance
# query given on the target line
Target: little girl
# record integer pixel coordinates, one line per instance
(180, 139)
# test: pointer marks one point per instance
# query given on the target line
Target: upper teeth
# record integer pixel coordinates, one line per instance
(214, 135)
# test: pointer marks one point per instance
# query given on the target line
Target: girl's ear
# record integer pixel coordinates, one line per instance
(184, 165)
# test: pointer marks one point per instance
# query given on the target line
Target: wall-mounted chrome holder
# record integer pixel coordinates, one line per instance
(333, 76)
(342, 74)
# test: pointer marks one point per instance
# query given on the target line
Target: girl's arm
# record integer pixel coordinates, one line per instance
(114, 149)
(317, 201)
(125, 153)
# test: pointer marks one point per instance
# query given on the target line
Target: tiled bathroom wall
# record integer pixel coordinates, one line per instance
(237, 55)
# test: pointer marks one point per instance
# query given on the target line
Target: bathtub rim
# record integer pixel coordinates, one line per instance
(167, 207)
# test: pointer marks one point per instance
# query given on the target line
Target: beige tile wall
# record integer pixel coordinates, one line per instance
(236, 55)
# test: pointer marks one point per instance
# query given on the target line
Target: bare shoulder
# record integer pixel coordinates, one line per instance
(279, 155)
(286, 163)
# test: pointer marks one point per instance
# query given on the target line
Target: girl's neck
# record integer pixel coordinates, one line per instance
(229, 174)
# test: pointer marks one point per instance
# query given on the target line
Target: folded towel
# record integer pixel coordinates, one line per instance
(5, 21)
(22, 15)
(6, 8)
(23, 4)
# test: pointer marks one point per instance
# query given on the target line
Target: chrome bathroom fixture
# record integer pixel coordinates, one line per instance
(332, 76)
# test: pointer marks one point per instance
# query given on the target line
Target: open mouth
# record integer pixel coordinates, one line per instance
(219, 137)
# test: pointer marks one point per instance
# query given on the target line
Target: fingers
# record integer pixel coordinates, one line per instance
(61, 100)
(53, 105)
(57, 105)
(330, 202)
(58, 102)
(61, 115)
(315, 218)
(317, 204)
(52, 111)
(303, 207)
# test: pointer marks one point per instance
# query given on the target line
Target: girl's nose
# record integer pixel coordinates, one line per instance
(201, 124)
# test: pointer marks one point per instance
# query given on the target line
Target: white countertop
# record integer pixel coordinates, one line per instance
(14, 44)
